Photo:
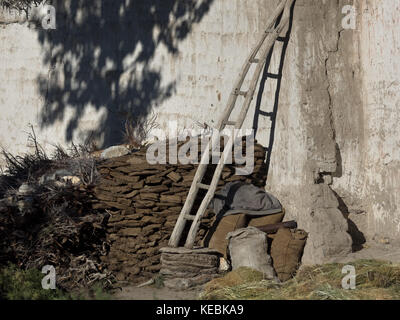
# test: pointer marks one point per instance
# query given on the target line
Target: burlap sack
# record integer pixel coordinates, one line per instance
(216, 237)
(264, 220)
(286, 251)
(218, 233)
(248, 248)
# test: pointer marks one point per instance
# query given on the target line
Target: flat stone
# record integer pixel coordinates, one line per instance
(114, 151)
(195, 250)
(176, 177)
(186, 283)
(131, 232)
(190, 260)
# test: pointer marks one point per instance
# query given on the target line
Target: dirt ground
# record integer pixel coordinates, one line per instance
(371, 250)
(153, 293)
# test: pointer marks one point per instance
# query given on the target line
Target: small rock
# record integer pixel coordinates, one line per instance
(223, 265)
(53, 176)
(385, 241)
(114, 151)
(74, 180)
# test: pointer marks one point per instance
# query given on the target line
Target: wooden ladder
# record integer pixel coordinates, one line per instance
(258, 56)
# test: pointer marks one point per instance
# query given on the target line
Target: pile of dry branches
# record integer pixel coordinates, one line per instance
(19, 4)
(45, 220)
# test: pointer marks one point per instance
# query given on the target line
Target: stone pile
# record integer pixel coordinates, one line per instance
(144, 202)
(184, 268)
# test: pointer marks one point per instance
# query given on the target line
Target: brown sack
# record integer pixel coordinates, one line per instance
(216, 237)
(286, 251)
(264, 220)
(220, 229)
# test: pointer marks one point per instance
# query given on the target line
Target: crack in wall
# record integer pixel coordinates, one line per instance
(328, 88)
(327, 176)
(357, 236)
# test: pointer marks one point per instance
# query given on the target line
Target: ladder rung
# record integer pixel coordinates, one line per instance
(203, 186)
(258, 56)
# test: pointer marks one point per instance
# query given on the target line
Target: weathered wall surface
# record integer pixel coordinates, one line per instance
(337, 117)
(380, 45)
(21, 66)
(305, 155)
(186, 80)
(335, 161)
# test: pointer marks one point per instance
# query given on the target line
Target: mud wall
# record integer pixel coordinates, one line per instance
(337, 118)
(335, 153)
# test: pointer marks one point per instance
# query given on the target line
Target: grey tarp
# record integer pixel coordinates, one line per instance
(238, 197)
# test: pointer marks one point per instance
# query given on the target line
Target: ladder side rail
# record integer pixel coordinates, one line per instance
(269, 45)
(191, 197)
(270, 41)
(181, 222)
(210, 194)
(187, 207)
(242, 75)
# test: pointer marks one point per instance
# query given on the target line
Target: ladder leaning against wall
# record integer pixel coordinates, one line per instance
(258, 56)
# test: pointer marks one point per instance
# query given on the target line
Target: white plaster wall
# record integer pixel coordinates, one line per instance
(21, 64)
(351, 76)
(208, 64)
(339, 88)
(380, 51)
(204, 71)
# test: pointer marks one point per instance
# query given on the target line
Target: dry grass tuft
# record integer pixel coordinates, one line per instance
(137, 130)
(375, 280)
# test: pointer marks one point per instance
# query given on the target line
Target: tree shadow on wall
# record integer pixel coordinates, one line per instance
(100, 56)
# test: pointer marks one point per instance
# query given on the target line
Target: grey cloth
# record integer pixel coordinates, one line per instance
(238, 197)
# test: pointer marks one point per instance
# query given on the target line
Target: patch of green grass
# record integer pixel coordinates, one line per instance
(100, 293)
(159, 281)
(374, 280)
(17, 284)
